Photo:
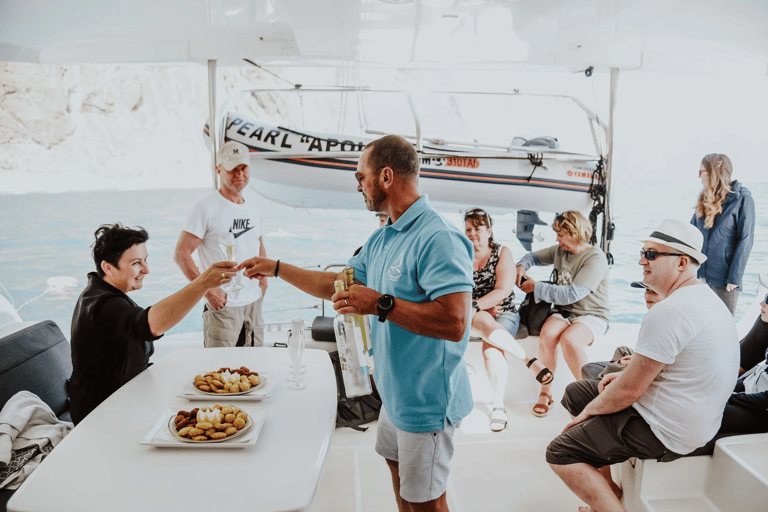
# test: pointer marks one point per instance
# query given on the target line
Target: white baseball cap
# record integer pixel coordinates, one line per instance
(232, 154)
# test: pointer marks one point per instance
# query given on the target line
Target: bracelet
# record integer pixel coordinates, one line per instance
(277, 268)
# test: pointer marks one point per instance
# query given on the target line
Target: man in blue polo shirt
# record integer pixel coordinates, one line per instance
(416, 276)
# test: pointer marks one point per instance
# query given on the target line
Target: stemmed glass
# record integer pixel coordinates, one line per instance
(296, 350)
(297, 326)
(228, 248)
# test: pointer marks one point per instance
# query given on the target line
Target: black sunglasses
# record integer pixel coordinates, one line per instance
(765, 299)
(650, 254)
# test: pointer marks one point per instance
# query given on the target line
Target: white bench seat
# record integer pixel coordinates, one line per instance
(734, 478)
(521, 385)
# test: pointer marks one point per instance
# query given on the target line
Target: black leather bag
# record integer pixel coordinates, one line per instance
(356, 411)
(533, 314)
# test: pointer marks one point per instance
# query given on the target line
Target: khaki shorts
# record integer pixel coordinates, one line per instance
(423, 458)
(222, 328)
(595, 324)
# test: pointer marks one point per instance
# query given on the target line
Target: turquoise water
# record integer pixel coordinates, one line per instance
(43, 236)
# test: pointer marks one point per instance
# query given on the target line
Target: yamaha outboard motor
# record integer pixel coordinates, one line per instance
(526, 220)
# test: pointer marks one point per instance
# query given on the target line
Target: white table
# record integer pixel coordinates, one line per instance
(100, 466)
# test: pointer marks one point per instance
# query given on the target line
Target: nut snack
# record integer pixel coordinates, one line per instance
(210, 423)
(227, 380)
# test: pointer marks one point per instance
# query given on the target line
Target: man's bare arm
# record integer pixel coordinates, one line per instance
(446, 317)
(623, 389)
(182, 255)
(314, 282)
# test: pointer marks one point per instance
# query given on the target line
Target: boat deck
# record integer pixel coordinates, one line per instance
(490, 471)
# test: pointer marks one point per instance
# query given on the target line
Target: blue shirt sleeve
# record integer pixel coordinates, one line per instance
(445, 265)
(559, 294)
(358, 263)
(528, 261)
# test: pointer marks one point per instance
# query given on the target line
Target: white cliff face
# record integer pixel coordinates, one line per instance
(112, 127)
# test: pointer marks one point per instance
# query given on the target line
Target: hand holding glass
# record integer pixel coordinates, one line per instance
(228, 248)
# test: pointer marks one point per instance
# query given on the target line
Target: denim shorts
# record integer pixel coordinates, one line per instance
(510, 320)
(423, 458)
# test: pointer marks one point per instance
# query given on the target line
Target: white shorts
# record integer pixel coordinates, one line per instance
(423, 458)
(595, 324)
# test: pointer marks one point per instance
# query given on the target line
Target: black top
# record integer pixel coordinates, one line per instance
(111, 344)
(485, 280)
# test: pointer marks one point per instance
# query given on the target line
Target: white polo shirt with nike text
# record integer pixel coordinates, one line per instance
(214, 216)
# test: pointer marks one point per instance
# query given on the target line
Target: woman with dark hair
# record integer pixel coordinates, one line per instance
(495, 316)
(725, 215)
(112, 336)
(580, 297)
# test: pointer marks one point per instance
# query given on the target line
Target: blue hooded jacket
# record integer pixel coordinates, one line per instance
(728, 242)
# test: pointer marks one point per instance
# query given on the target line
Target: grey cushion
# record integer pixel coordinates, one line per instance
(36, 359)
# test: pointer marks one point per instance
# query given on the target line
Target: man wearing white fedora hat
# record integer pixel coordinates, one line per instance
(670, 398)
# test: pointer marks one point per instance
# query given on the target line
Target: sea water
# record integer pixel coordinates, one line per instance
(45, 245)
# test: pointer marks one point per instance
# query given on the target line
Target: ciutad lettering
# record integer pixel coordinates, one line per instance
(470, 163)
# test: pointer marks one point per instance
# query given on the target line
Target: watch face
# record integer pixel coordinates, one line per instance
(386, 302)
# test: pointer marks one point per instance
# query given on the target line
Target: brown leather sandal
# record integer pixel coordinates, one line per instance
(545, 376)
(541, 410)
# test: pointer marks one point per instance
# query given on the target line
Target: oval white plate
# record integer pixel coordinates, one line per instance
(172, 428)
(262, 381)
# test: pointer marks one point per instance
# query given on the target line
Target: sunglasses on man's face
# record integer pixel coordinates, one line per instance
(650, 254)
(765, 299)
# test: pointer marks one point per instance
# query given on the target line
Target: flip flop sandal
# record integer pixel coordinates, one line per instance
(498, 421)
(545, 376)
(543, 409)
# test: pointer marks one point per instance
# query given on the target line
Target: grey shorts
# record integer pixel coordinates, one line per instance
(606, 439)
(222, 328)
(423, 458)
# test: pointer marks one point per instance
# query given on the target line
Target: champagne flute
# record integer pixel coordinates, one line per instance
(228, 248)
(296, 351)
(298, 326)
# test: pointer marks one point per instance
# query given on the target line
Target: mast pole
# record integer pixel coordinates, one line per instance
(607, 216)
(212, 120)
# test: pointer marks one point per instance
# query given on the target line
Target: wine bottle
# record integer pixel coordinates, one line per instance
(352, 355)
(362, 321)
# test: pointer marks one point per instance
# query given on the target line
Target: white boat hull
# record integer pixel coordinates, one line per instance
(311, 170)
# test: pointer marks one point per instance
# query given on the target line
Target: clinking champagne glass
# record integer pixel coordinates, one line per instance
(228, 248)
(296, 351)
(298, 326)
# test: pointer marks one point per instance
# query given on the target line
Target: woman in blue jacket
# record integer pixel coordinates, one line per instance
(725, 214)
